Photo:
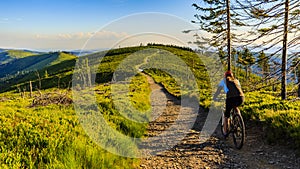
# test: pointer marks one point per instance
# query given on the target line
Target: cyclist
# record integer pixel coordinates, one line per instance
(234, 96)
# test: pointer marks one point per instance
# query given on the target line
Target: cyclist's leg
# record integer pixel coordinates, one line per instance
(228, 108)
(236, 109)
(237, 102)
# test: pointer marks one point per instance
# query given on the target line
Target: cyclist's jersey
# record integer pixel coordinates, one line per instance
(232, 88)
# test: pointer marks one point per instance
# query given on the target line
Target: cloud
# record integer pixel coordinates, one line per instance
(10, 20)
(109, 34)
(4, 20)
(84, 35)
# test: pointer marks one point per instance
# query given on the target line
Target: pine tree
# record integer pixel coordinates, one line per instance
(234, 59)
(248, 61)
(217, 18)
(298, 77)
(240, 61)
(222, 55)
(263, 63)
(296, 67)
(272, 22)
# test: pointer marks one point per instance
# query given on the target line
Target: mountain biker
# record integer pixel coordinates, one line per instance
(234, 96)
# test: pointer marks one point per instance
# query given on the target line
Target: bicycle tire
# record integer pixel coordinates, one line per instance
(238, 131)
(222, 123)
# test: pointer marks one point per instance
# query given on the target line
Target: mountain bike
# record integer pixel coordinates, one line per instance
(236, 127)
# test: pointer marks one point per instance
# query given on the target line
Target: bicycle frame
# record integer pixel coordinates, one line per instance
(236, 127)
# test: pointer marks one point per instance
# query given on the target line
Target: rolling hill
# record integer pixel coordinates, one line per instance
(55, 69)
(54, 129)
(8, 55)
(24, 68)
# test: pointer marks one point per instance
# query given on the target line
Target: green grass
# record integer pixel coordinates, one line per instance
(52, 137)
(54, 69)
(19, 53)
(191, 61)
(11, 55)
(280, 118)
(139, 98)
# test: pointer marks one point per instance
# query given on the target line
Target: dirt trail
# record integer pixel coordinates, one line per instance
(216, 152)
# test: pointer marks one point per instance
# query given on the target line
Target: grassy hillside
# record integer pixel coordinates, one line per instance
(49, 132)
(43, 131)
(33, 62)
(45, 71)
(7, 56)
(36, 133)
(281, 119)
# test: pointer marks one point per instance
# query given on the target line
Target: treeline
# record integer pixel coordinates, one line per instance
(258, 25)
(248, 65)
(124, 50)
(172, 46)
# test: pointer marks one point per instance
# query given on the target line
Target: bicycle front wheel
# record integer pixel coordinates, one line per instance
(238, 131)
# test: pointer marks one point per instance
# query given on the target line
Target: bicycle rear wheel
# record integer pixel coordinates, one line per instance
(222, 124)
(238, 131)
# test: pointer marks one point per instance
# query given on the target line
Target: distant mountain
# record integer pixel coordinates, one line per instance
(84, 52)
(28, 68)
(29, 62)
(8, 55)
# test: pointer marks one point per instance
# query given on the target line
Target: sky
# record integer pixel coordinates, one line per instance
(91, 24)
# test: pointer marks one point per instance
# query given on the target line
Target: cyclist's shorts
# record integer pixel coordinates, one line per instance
(233, 102)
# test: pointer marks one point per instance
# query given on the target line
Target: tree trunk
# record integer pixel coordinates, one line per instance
(284, 51)
(299, 90)
(40, 80)
(298, 84)
(249, 72)
(30, 88)
(228, 34)
(246, 71)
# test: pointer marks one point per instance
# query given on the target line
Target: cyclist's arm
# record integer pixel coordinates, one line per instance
(222, 85)
(217, 92)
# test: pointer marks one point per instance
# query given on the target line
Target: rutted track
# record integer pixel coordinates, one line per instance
(216, 152)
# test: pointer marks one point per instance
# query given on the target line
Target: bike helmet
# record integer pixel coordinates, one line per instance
(228, 73)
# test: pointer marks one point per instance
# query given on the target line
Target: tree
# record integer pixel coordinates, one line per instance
(240, 61)
(296, 67)
(211, 17)
(222, 55)
(263, 63)
(248, 61)
(272, 22)
(298, 77)
(234, 59)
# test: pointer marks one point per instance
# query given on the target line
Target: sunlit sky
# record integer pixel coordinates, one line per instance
(68, 24)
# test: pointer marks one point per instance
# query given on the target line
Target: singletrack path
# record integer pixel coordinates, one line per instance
(216, 152)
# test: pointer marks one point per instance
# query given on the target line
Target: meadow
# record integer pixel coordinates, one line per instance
(39, 132)
(281, 119)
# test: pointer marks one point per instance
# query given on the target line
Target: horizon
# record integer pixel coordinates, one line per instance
(52, 25)
(68, 25)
